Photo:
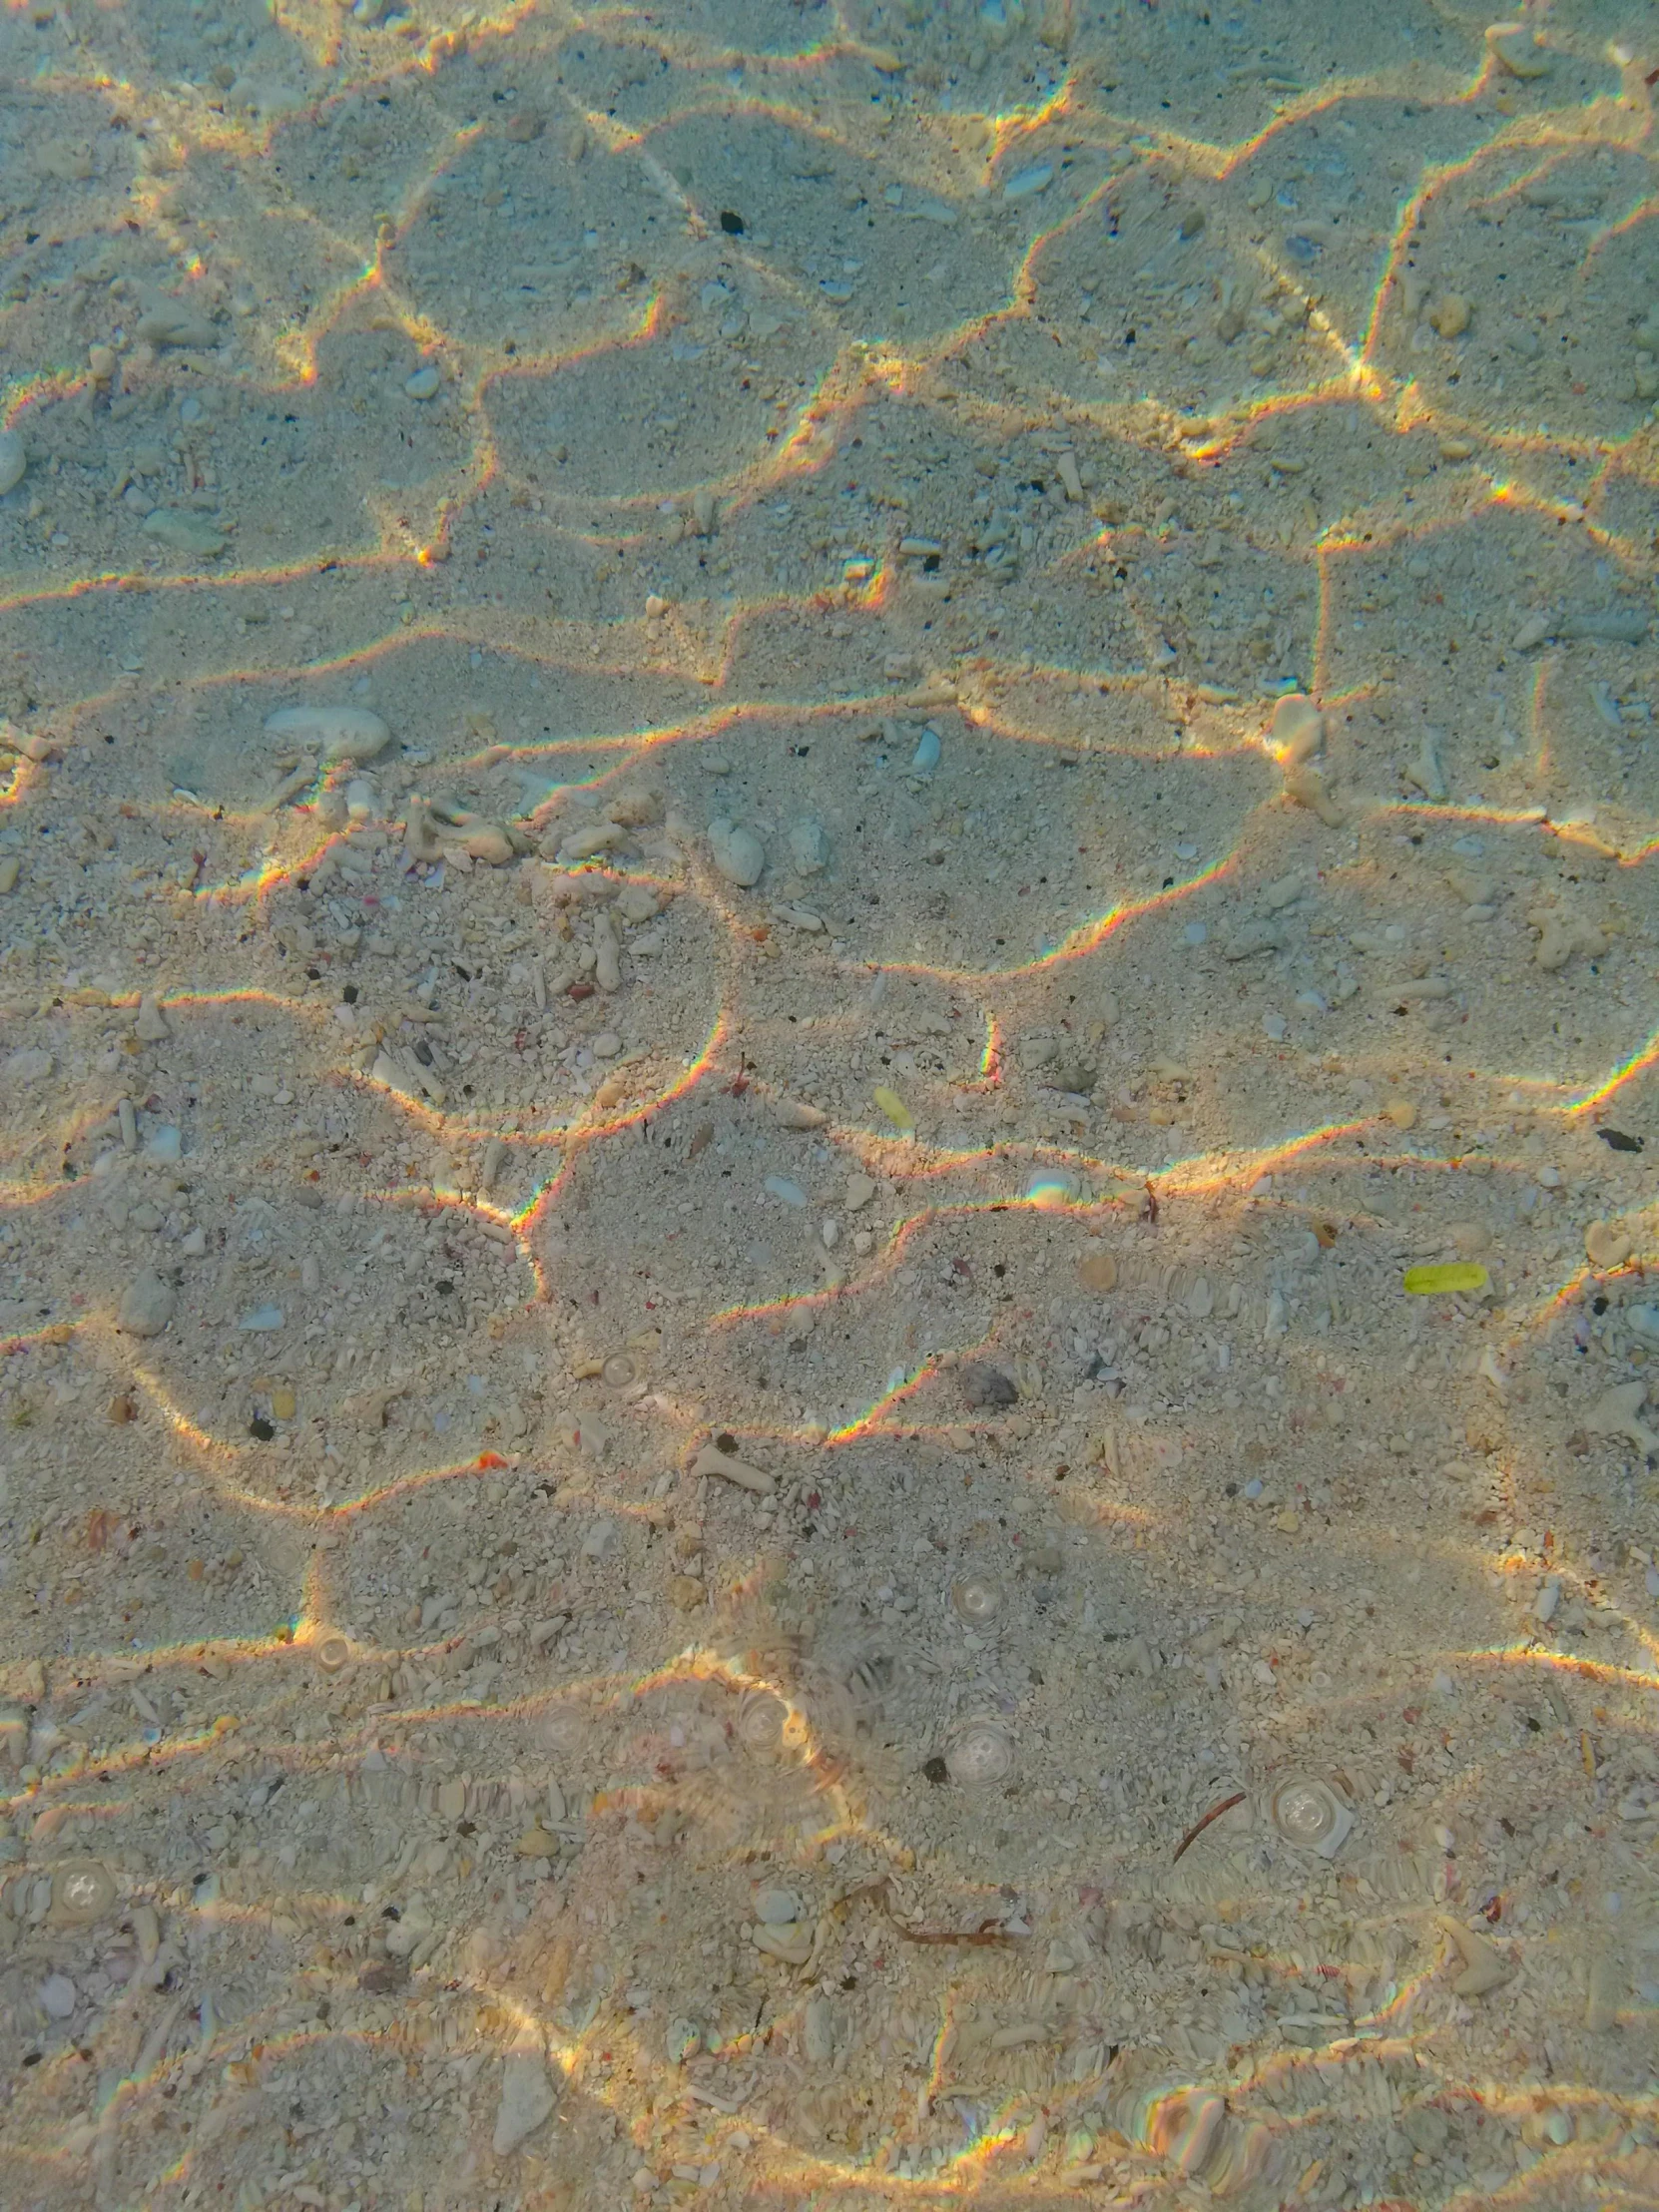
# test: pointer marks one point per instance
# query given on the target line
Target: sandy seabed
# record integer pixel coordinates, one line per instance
(829, 971)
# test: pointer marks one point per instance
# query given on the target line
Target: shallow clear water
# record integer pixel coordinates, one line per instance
(827, 955)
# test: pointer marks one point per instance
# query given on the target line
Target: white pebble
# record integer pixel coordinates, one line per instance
(809, 846)
(147, 1304)
(777, 1908)
(738, 853)
(57, 1996)
(424, 383)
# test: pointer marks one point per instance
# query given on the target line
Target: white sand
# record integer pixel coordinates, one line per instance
(924, 442)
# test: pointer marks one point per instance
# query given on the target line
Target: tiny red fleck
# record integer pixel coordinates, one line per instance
(814, 1502)
(581, 990)
(738, 1087)
(491, 1460)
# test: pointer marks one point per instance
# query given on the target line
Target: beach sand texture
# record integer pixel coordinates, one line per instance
(828, 991)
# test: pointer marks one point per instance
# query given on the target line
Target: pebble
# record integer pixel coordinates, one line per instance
(169, 323)
(57, 1996)
(14, 460)
(1451, 314)
(528, 2099)
(1643, 1322)
(424, 383)
(147, 1304)
(30, 1063)
(818, 2030)
(261, 1318)
(738, 853)
(859, 1191)
(151, 1026)
(1025, 182)
(784, 1187)
(1607, 1244)
(183, 533)
(777, 1908)
(1097, 1271)
(344, 733)
(809, 846)
(1297, 730)
(925, 758)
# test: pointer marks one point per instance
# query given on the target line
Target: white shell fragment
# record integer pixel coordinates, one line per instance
(1311, 1816)
(343, 734)
(711, 1460)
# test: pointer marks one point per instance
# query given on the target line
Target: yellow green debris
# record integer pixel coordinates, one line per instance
(895, 1110)
(1452, 1274)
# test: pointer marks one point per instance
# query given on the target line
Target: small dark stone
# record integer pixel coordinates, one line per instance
(1619, 1142)
(261, 1428)
(732, 225)
(986, 1385)
(382, 1976)
(937, 1770)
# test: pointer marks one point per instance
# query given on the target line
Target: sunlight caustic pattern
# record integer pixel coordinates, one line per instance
(602, 1470)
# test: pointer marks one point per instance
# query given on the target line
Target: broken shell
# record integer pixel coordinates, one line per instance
(331, 1654)
(979, 1755)
(83, 1890)
(975, 1598)
(618, 1370)
(1309, 1814)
